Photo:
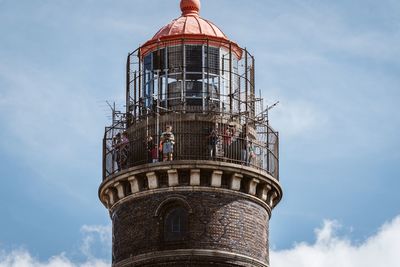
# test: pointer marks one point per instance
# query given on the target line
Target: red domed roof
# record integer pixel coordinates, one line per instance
(190, 25)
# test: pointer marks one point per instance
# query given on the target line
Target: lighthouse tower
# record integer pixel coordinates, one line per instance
(190, 168)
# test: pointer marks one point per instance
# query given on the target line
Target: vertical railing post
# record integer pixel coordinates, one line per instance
(230, 79)
(277, 156)
(128, 106)
(247, 81)
(140, 83)
(104, 156)
(238, 78)
(268, 165)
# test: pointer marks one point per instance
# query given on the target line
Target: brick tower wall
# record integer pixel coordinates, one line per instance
(217, 220)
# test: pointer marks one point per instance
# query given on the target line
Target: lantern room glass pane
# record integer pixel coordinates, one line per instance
(159, 60)
(212, 59)
(175, 62)
(194, 58)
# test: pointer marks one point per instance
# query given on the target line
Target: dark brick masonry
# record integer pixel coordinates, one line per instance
(216, 221)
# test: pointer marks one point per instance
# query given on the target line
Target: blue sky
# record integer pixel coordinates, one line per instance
(333, 65)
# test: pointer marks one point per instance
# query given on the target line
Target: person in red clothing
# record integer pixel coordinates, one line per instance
(124, 150)
(152, 151)
(227, 138)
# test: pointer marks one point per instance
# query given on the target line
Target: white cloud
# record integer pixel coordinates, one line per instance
(329, 249)
(93, 236)
(22, 258)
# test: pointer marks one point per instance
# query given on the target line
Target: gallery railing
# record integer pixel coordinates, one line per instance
(124, 149)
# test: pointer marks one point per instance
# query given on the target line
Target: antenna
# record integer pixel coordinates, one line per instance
(117, 116)
(112, 110)
(265, 113)
(272, 106)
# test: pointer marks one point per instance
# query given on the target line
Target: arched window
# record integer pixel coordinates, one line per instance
(175, 224)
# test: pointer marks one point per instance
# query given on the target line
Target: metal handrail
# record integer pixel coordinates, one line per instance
(193, 146)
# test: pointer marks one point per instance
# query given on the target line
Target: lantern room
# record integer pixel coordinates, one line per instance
(190, 65)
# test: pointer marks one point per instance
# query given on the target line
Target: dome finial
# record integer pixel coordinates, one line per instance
(190, 7)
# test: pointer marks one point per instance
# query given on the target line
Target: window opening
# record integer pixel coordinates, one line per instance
(175, 224)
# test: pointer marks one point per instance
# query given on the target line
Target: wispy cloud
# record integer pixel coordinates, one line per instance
(38, 111)
(297, 118)
(48, 121)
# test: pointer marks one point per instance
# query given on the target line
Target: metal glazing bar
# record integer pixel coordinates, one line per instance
(134, 96)
(253, 93)
(208, 67)
(183, 86)
(221, 73)
(203, 60)
(166, 73)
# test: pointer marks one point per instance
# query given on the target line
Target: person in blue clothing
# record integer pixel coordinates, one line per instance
(167, 142)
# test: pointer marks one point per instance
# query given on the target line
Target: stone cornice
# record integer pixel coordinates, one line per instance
(244, 181)
(192, 254)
